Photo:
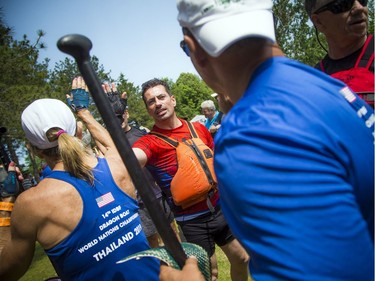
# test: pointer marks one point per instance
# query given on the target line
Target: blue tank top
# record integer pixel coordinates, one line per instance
(109, 230)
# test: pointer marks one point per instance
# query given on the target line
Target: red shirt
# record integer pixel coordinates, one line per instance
(162, 160)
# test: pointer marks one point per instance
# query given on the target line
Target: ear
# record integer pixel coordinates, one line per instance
(173, 99)
(197, 53)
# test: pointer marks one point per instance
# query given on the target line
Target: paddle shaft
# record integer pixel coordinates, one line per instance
(79, 47)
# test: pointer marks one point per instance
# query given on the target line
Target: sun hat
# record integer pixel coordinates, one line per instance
(217, 24)
(44, 114)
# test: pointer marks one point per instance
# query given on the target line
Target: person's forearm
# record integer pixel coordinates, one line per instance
(97, 131)
(13, 266)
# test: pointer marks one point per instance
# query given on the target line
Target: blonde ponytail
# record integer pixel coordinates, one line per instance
(73, 155)
(71, 152)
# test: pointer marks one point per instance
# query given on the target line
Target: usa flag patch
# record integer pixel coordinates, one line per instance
(104, 199)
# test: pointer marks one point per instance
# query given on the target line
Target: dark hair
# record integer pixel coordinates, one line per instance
(309, 6)
(153, 83)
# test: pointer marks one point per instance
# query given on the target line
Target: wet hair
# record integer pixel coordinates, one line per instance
(71, 151)
(153, 83)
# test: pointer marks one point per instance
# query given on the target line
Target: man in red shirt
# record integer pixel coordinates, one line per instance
(350, 54)
(199, 224)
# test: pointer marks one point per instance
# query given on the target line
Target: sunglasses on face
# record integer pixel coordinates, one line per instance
(340, 6)
(185, 48)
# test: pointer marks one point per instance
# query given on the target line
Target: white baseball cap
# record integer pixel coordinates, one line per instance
(216, 24)
(44, 114)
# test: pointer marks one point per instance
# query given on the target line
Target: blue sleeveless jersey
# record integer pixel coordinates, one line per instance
(295, 164)
(108, 231)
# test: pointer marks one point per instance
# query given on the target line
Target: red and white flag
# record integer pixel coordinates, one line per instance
(104, 199)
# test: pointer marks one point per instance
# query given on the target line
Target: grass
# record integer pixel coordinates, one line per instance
(223, 265)
(42, 269)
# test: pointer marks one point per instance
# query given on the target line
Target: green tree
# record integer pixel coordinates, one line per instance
(371, 16)
(62, 75)
(190, 91)
(22, 80)
(295, 33)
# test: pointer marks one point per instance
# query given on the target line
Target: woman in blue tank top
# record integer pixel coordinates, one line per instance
(84, 214)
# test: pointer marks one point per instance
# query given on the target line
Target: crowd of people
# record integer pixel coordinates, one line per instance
(293, 150)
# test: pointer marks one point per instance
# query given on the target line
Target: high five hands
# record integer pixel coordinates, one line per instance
(79, 97)
(118, 103)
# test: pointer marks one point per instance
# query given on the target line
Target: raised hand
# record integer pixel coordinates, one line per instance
(79, 97)
(118, 103)
(190, 272)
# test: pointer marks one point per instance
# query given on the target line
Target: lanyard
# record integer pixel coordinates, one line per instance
(209, 122)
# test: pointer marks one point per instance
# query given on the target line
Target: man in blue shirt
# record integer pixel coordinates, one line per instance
(293, 157)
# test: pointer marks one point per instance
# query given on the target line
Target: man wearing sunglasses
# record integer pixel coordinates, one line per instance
(293, 157)
(350, 54)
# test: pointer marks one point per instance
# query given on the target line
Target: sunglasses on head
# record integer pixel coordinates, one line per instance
(185, 48)
(340, 6)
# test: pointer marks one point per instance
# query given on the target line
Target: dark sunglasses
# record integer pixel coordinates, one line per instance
(340, 6)
(185, 48)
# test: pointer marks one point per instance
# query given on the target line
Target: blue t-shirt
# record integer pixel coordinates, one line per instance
(109, 230)
(295, 165)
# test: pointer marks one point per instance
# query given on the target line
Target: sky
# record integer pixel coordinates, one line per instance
(139, 38)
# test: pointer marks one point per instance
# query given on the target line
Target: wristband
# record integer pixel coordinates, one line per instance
(5, 221)
(6, 206)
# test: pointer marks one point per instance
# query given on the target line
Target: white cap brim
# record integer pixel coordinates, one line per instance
(218, 34)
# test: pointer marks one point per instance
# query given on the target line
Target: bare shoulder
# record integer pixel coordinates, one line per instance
(26, 200)
(26, 209)
(46, 208)
(120, 174)
(47, 194)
